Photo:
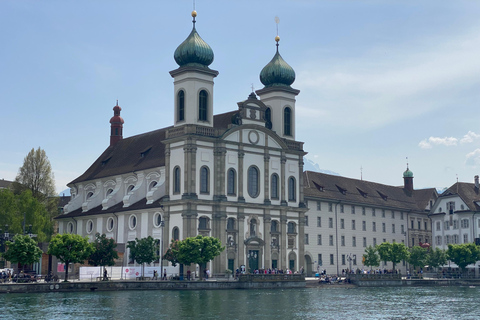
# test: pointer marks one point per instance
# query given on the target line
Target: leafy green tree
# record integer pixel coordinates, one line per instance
(172, 253)
(23, 208)
(36, 174)
(417, 256)
(394, 252)
(70, 248)
(23, 250)
(436, 258)
(371, 257)
(143, 251)
(104, 253)
(463, 254)
(199, 250)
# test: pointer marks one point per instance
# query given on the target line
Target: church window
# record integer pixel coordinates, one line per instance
(176, 180)
(203, 223)
(152, 185)
(291, 227)
(274, 189)
(109, 191)
(253, 182)
(202, 105)
(287, 121)
(70, 227)
(181, 105)
(274, 226)
(176, 233)
(231, 175)
(89, 226)
(89, 195)
(268, 114)
(204, 177)
(132, 222)
(157, 220)
(231, 224)
(291, 189)
(110, 224)
(130, 188)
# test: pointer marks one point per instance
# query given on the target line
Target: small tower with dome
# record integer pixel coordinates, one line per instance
(193, 81)
(408, 180)
(277, 77)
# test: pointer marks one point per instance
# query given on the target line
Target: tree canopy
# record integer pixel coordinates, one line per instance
(417, 256)
(70, 248)
(143, 250)
(197, 250)
(23, 250)
(104, 253)
(436, 258)
(371, 258)
(394, 252)
(36, 175)
(463, 254)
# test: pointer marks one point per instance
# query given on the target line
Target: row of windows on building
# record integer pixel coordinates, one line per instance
(354, 225)
(353, 242)
(450, 239)
(353, 210)
(203, 111)
(345, 259)
(253, 183)
(453, 224)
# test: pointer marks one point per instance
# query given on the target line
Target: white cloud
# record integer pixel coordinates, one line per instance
(473, 158)
(469, 137)
(447, 141)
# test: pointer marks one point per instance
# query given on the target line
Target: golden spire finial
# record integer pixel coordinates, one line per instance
(277, 21)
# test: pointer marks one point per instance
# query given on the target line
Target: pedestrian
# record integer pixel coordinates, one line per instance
(164, 274)
(208, 273)
(188, 275)
(105, 274)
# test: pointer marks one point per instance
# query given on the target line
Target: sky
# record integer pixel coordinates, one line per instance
(379, 81)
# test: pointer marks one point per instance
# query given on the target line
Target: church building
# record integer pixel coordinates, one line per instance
(236, 176)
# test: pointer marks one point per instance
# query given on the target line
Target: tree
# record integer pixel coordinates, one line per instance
(463, 254)
(23, 250)
(104, 253)
(19, 209)
(143, 251)
(172, 253)
(199, 250)
(36, 174)
(394, 252)
(436, 258)
(417, 256)
(70, 248)
(371, 258)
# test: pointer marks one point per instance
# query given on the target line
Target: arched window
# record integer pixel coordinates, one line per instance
(291, 227)
(291, 189)
(253, 227)
(181, 105)
(287, 121)
(268, 118)
(231, 224)
(176, 233)
(274, 186)
(204, 185)
(176, 180)
(203, 223)
(274, 226)
(202, 105)
(231, 177)
(253, 182)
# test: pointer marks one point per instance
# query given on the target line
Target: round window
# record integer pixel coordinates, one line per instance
(110, 224)
(89, 226)
(70, 227)
(157, 220)
(133, 222)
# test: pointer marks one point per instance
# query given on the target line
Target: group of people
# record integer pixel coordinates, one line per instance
(6, 276)
(155, 275)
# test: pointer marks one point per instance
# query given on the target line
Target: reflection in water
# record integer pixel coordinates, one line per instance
(309, 303)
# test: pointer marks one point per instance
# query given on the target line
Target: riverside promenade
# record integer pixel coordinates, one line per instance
(243, 282)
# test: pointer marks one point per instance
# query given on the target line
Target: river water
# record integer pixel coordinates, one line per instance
(309, 303)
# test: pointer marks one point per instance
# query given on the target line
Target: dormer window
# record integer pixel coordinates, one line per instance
(384, 197)
(363, 193)
(144, 153)
(319, 187)
(342, 190)
(89, 195)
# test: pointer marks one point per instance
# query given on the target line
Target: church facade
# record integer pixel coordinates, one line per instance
(236, 176)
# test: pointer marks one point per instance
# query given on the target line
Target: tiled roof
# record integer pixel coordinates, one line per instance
(139, 205)
(5, 184)
(423, 196)
(347, 190)
(467, 192)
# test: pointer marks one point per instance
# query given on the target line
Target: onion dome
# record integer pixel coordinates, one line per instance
(116, 115)
(194, 51)
(408, 173)
(277, 72)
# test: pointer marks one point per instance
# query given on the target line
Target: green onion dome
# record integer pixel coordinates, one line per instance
(277, 71)
(194, 51)
(408, 173)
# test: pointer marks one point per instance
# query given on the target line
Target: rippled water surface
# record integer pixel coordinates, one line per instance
(309, 303)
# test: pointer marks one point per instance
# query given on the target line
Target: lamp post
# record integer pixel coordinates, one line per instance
(162, 224)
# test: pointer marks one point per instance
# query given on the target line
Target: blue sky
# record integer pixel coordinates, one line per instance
(380, 80)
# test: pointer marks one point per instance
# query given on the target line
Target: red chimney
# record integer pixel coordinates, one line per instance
(116, 126)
